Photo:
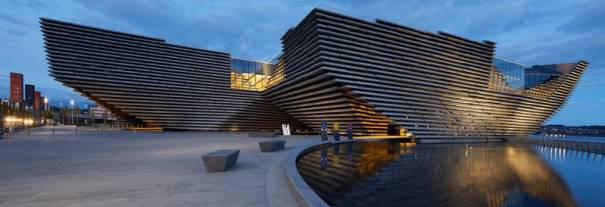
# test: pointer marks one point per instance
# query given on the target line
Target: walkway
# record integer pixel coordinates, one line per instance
(142, 169)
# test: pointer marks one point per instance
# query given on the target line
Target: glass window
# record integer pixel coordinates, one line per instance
(512, 73)
(250, 75)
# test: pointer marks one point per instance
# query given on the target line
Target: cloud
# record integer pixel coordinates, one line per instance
(14, 32)
(250, 30)
(590, 19)
(31, 4)
(10, 19)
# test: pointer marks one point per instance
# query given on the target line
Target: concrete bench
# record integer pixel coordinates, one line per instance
(272, 145)
(262, 134)
(220, 160)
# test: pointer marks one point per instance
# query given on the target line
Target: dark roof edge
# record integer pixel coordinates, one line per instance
(97, 28)
(44, 19)
(383, 21)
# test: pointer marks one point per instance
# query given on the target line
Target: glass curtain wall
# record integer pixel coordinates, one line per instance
(250, 75)
(513, 73)
(539, 74)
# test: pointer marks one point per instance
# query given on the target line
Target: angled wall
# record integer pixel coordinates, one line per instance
(436, 85)
(332, 68)
(149, 81)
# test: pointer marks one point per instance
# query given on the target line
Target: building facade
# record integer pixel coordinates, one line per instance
(98, 112)
(36, 108)
(30, 91)
(16, 88)
(332, 68)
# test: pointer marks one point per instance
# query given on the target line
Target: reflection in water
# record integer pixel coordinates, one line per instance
(538, 181)
(349, 151)
(583, 172)
(562, 154)
(324, 158)
(405, 174)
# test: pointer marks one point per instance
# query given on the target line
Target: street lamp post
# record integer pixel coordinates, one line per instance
(45, 109)
(33, 115)
(71, 102)
(88, 115)
(62, 115)
(78, 116)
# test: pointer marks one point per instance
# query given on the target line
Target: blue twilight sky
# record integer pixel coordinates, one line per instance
(530, 32)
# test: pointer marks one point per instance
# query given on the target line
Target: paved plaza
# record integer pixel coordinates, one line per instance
(123, 168)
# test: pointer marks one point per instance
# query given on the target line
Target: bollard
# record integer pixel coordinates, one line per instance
(324, 131)
(336, 132)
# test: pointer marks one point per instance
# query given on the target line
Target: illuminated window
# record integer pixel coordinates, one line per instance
(250, 75)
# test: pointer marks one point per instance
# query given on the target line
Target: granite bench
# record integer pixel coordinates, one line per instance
(262, 134)
(220, 160)
(271, 145)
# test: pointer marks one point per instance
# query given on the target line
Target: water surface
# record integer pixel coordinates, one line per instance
(405, 174)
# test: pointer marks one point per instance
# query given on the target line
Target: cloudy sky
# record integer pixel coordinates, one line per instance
(530, 32)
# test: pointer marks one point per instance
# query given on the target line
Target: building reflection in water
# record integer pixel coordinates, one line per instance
(405, 174)
(349, 151)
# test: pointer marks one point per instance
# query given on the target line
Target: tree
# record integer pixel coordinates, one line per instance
(48, 114)
(5, 108)
(63, 113)
(77, 112)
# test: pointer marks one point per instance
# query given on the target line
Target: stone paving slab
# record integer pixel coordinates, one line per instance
(142, 169)
(278, 193)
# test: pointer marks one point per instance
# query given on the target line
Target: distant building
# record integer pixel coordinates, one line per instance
(98, 112)
(573, 130)
(37, 101)
(42, 104)
(29, 94)
(36, 106)
(16, 88)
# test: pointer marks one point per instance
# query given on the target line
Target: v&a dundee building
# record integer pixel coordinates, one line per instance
(379, 75)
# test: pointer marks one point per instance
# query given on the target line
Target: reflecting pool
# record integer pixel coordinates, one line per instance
(396, 173)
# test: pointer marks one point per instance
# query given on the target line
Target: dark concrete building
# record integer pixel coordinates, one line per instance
(29, 95)
(333, 67)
